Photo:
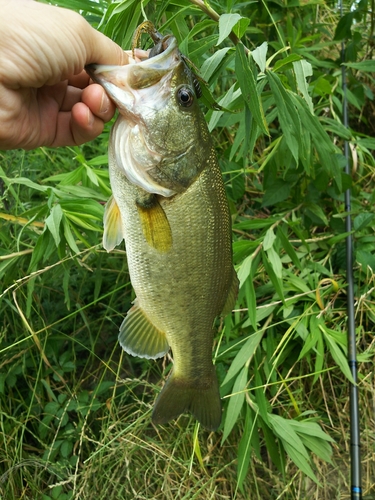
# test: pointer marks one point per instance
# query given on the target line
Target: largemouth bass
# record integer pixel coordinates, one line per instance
(169, 205)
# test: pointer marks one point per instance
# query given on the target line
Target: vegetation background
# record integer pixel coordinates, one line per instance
(75, 410)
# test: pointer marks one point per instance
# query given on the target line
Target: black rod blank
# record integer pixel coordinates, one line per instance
(355, 449)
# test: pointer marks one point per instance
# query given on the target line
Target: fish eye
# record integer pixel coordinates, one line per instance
(185, 97)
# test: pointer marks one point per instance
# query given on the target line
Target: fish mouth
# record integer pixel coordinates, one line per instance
(124, 84)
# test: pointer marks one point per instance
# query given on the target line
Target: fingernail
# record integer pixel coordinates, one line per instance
(104, 106)
(90, 118)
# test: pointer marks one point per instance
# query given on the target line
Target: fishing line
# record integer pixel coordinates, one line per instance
(355, 451)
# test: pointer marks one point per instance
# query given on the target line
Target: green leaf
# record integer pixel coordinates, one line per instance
(79, 192)
(260, 56)
(244, 270)
(244, 448)
(244, 354)
(208, 99)
(321, 448)
(262, 312)
(286, 61)
(200, 47)
(337, 128)
(255, 224)
(336, 239)
(86, 209)
(344, 27)
(338, 355)
(82, 222)
(66, 449)
(26, 182)
(276, 281)
(85, 5)
(260, 396)
(275, 261)
(238, 185)
(225, 102)
(289, 248)
(298, 283)
(288, 117)
(239, 29)
(73, 177)
(366, 142)
(199, 27)
(226, 24)
(310, 342)
(69, 237)
(251, 301)
(367, 66)
(363, 220)
(322, 86)
(314, 438)
(92, 176)
(212, 63)
(366, 259)
(293, 444)
(98, 160)
(299, 458)
(284, 430)
(274, 446)
(248, 88)
(319, 360)
(318, 212)
(269, 239)
(30, 292)
(310, 428)
(278, 191)
(323, 143)
(235, 403)
(53, 223)
(303, 70)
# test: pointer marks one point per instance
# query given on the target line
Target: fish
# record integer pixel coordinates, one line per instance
(169, 205)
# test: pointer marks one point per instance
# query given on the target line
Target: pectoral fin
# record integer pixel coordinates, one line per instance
(139, 337)
(155, 226)
(232, 296)
(113, 231)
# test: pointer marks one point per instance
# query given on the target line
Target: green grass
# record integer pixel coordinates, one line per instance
(75, 410)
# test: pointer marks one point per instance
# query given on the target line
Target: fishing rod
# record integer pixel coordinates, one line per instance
(355, 450)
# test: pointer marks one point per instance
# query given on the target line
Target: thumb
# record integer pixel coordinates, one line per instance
(101, 49)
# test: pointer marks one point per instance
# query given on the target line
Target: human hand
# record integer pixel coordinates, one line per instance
(45, 95)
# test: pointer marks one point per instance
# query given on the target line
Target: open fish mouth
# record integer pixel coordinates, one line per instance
(145, 69)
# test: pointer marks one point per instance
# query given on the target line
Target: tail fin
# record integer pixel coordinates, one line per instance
(180, 396)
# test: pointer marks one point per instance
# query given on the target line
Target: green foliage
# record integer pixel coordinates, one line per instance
(72, 406)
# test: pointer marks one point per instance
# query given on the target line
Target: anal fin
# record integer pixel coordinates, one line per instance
(139, 337)
(113, 231)
(155, 226)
